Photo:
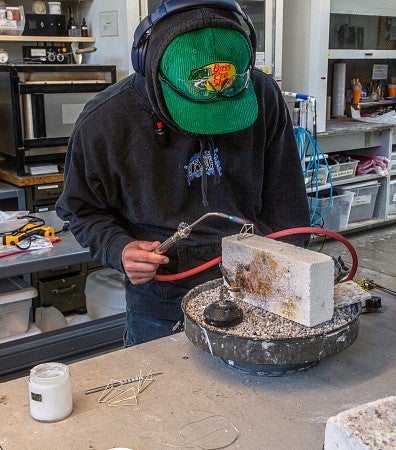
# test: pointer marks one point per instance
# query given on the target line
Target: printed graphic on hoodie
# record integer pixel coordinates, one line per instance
(197, 163)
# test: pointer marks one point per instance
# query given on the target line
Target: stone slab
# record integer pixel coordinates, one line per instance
(371, 426)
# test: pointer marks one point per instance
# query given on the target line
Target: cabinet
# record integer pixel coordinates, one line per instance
(354, 138)
(364, 29)
(64, 287)
(267, 18)
(319, 32)
(314, 32)
(40, 104)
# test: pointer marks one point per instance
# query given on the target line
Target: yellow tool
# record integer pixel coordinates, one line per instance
(368, 285)
(30, 229)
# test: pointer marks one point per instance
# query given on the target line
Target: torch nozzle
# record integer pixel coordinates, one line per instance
(183, 230)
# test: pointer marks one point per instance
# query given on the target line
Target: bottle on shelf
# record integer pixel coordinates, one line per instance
(49, 318)
(84, 28)
(72, 24)
(356, 91)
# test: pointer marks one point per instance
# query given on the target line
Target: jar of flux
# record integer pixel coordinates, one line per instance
(50, 392)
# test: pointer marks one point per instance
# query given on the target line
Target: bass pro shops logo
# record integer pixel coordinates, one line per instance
(213, 77)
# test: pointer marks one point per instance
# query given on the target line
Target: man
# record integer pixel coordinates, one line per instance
(197, 130)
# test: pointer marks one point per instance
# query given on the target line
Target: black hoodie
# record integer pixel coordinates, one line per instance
(123, 181)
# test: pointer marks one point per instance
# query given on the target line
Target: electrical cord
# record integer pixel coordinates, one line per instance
(65, 227)
(36, 222)
(275, 235)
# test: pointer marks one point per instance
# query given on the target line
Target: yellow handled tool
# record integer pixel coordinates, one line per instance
(27, 231)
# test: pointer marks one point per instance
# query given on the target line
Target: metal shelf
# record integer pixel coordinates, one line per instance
(355, 179)
(9, 191)
(7, 38)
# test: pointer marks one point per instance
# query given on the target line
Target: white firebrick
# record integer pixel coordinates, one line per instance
(284, 279)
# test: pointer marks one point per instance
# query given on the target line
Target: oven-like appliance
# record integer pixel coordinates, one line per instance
(39, 105)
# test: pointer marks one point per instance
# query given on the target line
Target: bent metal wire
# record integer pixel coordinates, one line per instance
(231, 87)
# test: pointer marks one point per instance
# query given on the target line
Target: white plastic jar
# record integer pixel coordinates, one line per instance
(50, 392)
(54, 7)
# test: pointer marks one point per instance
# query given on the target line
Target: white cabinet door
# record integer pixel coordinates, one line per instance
(362, 29)
(267, 18)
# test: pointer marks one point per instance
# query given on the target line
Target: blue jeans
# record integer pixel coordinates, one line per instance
(154, 308)
(153, 311)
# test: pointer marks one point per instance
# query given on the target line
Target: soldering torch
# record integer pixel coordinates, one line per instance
(183, 230)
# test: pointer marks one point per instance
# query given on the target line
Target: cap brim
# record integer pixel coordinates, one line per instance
(222, 115)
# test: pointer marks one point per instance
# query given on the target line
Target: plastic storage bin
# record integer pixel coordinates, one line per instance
(393, 161)
(31, 331)
(392, 196)
(80, 317)
(105, 293)
(335, 211)
(342, 171)
(364, 200)
(310, 178)
(15, 303)
(13, 23)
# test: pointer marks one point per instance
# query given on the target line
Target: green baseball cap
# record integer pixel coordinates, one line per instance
(205, 80)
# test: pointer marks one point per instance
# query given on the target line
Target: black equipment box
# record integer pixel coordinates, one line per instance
(45, 25)
(47, 54)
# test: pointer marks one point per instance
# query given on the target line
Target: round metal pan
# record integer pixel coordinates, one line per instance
(267, 355)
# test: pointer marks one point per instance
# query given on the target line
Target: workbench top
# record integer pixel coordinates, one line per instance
(8, 173)
(200, 402)
(346, 126)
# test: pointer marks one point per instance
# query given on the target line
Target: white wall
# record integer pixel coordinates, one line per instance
(305, 46)
(113, 49)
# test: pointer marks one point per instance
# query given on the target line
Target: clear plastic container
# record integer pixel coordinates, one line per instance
(322, 173)
(343, 171)
(392, 196)
(105, 293)
(49, 318)
(15, 303)
(80, 317)
(333, 212)
(13, 22)
(364, 200)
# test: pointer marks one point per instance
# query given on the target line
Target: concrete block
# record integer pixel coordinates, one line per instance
(365, 427)
(290, 281)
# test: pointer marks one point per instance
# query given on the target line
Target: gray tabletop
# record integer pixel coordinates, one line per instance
(200, 402)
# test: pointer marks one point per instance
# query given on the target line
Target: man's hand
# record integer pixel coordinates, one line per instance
(140, 262)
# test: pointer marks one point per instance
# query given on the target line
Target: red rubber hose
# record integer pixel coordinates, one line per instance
(275, 235)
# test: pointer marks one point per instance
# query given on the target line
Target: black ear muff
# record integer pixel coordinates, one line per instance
(142, 34)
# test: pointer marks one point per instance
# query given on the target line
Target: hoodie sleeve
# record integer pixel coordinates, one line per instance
(83, 205)
(283, 178)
